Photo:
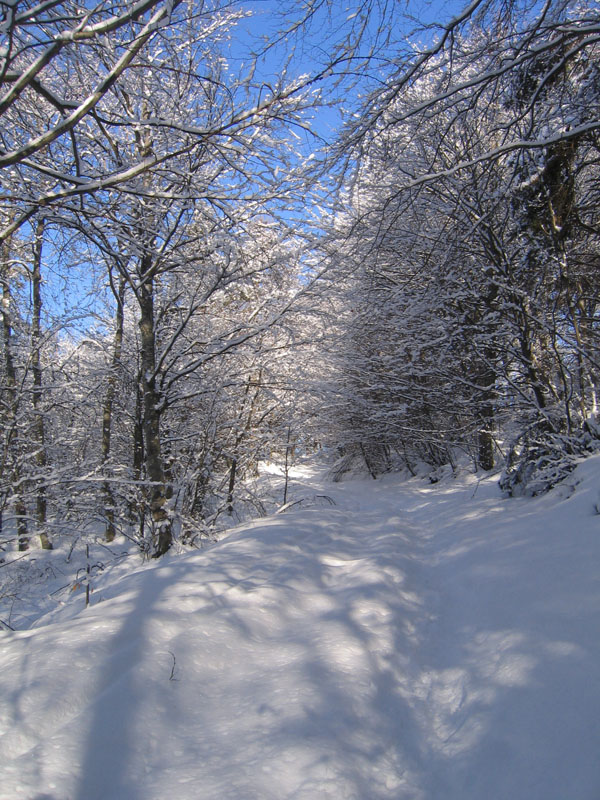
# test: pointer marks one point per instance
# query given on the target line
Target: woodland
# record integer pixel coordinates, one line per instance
(235, 232)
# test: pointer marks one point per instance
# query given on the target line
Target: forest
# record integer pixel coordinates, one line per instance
(236, 232)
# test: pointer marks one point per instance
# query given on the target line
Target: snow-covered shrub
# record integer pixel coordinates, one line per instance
(358, 459)
(540, 458)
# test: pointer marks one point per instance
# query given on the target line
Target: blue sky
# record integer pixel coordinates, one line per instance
(385, 31)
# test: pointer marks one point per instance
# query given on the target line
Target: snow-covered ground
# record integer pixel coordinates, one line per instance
(412, 642)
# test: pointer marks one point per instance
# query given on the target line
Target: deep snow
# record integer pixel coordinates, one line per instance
(412, 642)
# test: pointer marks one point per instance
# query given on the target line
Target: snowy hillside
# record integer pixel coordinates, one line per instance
(412, 642)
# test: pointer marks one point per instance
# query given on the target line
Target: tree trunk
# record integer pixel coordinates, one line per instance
(230, 488)
(107, 412)
(152, 407)
(528, 360)
(138, 432)
(286, 467)
(487, 413)
(11, 443)
(36, 368)
(243, 429)
(485, 448)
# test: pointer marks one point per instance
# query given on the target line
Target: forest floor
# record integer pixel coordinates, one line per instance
(394, 640)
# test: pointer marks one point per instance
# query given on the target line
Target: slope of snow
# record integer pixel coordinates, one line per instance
(412, 642)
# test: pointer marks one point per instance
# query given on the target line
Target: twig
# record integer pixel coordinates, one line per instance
(173, 666)
(312, 499)
(8, 563)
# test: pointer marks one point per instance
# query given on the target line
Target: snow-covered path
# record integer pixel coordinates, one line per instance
(412, 642)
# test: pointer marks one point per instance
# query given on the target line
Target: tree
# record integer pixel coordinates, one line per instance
(452, 272)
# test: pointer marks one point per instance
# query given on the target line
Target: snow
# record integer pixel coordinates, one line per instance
(414, 641)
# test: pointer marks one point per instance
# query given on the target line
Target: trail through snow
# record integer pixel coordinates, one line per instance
(412, 642)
